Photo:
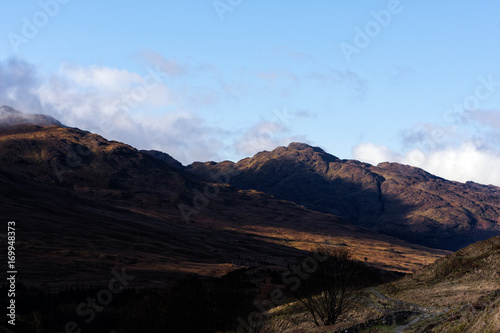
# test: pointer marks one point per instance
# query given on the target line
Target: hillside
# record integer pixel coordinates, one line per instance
(465, 285)
(398, 200)
(458, 293)
(84, 205)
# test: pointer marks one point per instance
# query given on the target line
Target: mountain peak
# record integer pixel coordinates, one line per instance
(296, 150)
(299, 146)
(12, 117)
(392, 198)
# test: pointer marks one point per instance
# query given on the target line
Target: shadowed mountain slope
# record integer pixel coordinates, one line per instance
(398, 200)
(84, 205)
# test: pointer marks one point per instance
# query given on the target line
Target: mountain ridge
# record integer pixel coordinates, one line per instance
(86, 204)
(396, 199)
(391, 198)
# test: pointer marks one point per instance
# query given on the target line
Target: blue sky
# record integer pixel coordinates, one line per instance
(404, 81)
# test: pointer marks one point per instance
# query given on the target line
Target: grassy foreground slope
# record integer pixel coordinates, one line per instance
(457, 293)
(464, 285)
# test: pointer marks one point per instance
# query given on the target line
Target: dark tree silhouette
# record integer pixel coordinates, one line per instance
(331, 286)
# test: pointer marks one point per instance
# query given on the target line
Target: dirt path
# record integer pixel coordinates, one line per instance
(401, 304)
(384, 297)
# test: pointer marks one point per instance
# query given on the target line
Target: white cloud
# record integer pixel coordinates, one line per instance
(158, 108)
(374, 154)
(468, 162)
(466, 151)
(185, 136)
(18, 84)
(138, 109)
(99, 77)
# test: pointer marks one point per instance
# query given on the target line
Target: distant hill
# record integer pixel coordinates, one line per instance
(398, 200)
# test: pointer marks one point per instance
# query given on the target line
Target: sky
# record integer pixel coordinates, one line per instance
(414, 82)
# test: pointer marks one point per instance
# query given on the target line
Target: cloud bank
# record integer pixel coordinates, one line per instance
(155, 109)
(465, 152)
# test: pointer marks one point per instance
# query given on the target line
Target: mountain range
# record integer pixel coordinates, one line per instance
(85, 205)
(398, 200)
